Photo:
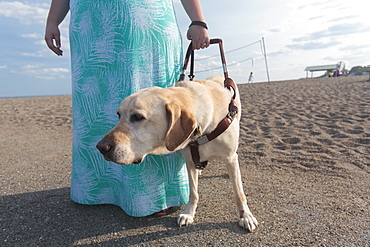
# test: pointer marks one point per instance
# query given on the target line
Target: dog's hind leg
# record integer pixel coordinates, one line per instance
(187, 216)
(247, 220)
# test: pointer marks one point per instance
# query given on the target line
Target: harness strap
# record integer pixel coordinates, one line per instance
(196, 158)
(189, 53)
(191, 75)
(226, 121)
(222, 126)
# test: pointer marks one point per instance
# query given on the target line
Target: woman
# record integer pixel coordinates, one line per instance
(117, 48)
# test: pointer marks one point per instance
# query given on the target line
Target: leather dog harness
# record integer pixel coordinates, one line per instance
(226, 121)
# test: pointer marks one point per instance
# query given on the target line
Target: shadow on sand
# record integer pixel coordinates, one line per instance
(50, 218)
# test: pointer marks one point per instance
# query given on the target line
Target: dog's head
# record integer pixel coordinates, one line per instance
(152, 121)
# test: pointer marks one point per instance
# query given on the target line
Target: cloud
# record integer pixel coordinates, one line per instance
(280, 52)
(25, 13)
(32, 36)
(33, 54)
(30, 66)
(359, 47)
(38, 71)
(346, 18)
(344, 29)
(313, 45)
(335, 30)
(3, 66)
(276, 29)
(319, 39)
(56, 70)
(316, 17)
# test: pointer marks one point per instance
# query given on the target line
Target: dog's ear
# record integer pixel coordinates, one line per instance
(182, 124)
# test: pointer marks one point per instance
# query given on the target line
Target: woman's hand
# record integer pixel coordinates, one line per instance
(199, 36)
(197, 33)
(52, 39)
(58, 10)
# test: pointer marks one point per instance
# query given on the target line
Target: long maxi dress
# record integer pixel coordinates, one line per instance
(119, 47)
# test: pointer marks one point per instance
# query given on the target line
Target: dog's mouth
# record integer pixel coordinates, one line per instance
(137, 161)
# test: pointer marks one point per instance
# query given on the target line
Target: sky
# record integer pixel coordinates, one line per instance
(296, 34)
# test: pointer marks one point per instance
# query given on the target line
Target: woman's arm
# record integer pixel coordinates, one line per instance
(57, 13)
(198, 34)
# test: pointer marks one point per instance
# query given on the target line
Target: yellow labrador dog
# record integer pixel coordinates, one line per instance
(162, 120)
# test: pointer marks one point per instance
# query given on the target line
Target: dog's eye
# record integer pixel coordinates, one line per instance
(136, 117)
(119, 115)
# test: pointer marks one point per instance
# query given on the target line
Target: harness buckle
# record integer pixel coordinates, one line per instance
(202, 140)
(231, 115)
(201, 165)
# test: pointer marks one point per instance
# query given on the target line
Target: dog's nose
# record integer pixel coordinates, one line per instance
(104, 147)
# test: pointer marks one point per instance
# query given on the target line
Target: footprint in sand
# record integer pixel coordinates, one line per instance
(291, 140)
(355, 131)
(340, 135)
(363, 141)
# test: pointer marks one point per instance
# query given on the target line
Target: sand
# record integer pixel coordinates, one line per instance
(304, 157)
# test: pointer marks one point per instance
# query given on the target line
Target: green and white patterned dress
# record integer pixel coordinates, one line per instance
(119, 47)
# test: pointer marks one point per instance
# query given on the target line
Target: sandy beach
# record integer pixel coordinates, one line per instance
(304, 158)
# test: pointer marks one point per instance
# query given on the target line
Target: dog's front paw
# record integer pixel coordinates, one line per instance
(184, 220)
(248, 222)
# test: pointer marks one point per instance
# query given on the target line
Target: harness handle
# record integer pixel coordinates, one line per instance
(228, 82)
(190, 54)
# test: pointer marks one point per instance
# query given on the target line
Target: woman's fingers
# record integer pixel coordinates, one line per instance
(53, 41)
(199, 37)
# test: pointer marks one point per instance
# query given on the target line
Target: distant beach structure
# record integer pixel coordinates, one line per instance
(331, 69)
